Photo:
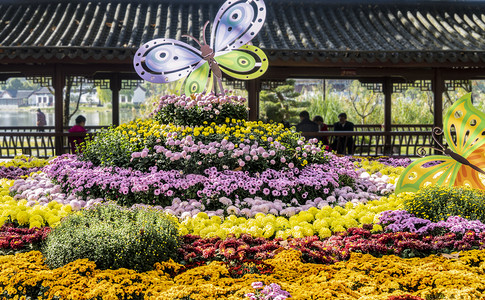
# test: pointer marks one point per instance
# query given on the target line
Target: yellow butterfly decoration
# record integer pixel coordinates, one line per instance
(464, 160)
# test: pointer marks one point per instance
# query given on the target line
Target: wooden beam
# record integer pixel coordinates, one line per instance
(115, 86)
(59, 81)
(287, 59)
(254, 87)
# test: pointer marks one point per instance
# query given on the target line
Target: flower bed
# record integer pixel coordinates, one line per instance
(361, 277)
(238, 206)
(21, 239)
(21, 166)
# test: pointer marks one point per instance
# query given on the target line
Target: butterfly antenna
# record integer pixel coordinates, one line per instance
(421, 151)
(189, 36)
(437, 131)
(203, 32)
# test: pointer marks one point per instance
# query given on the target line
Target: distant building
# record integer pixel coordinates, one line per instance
(15, 98)
(41, 98)
(90, 98)
(139, 95)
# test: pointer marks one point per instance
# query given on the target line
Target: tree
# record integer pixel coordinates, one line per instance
(327, 108)
(104, 95)
(281, 103)
(452, 96)
(364, 101)
(71, 84)
(19, 84)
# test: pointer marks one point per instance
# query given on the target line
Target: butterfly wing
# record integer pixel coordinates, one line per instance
(464, 127)
(248, 62)
(469, 177)
(236, 23)
(166, 60)
(430, 170)
(197, 80)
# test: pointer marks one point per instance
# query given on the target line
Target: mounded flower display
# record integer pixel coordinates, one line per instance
(195, 202)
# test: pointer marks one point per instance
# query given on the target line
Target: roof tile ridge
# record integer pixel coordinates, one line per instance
(140, 17)
(61, 24)
(18, 26)
(81, 25)
(105, 23)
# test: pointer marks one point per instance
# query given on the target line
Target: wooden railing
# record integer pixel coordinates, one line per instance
(373, 143)
(366, 140)
(29, 140)
(370, 140)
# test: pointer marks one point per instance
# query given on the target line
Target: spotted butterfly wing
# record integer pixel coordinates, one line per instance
(465, 133)
(248, 62)
(197, 80)
(166, 60)
(465, 127)
(236, 23)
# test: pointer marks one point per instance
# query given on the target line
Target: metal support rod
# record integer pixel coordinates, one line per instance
(387, 87)
(254, 87)
(59, 83)
(115, 86)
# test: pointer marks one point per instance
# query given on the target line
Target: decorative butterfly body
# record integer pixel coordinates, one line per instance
(236, 24)
(465, 133)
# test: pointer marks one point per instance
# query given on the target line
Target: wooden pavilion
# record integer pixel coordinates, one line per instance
(388, 45)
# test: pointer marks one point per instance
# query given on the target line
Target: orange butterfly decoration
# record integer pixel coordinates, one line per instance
(464, 160)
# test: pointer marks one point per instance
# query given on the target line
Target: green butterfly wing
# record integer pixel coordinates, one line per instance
(464, 130)
(247, 62)
(197, 80)
(468, 125)
(418, 174)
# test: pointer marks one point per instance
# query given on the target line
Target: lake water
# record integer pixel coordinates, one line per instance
(93, 118)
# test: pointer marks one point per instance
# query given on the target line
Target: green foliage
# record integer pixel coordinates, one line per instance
(365, 103)
(19, 84)
(113, 237)
(197, 115)
(346, 180)
(328, 109)
(437, 203)
(361, 105)
(104, 95)
(412, 107)
(282, 103)
(109, 147)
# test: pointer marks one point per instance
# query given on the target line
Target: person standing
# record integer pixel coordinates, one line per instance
(75, 141)
(41, 120)
(342, 142)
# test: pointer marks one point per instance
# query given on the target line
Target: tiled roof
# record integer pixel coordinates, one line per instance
(427, 32)
(20, 94)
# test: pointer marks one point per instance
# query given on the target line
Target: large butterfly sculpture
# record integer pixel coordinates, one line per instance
(465, 158)
(236, 23)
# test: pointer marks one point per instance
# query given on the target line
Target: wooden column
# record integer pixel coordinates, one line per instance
(387, 89)
(59, 82)
(254, 87)
(438, 89)
(115, 86)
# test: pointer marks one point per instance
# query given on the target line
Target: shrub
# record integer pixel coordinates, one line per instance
(113, 237)
(109, 147)
(197, 108)
(437, 203)
(235, 144)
